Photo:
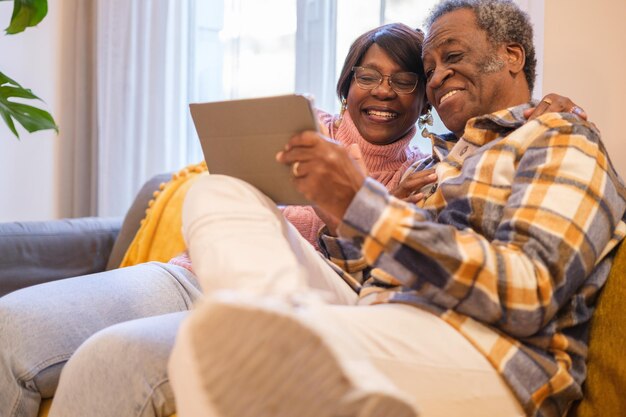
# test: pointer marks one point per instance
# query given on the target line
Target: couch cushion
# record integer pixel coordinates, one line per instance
(604, 389)
(133, 219)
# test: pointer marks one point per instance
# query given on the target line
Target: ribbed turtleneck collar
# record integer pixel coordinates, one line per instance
(376, 157)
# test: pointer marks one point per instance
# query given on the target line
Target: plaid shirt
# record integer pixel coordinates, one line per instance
(511, 248)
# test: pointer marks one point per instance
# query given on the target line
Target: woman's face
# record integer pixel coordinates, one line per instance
(381, 115)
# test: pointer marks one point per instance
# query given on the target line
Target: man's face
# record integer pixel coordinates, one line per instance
(466, 75)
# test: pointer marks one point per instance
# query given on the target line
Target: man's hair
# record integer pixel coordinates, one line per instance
(401, 42)
(502, 20)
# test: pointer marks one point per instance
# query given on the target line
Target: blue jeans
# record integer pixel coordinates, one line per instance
(118, 327)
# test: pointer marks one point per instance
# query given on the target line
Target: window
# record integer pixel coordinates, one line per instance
(248, 48)
(245, 48)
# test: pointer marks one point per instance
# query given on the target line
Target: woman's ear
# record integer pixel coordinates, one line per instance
(515, 57)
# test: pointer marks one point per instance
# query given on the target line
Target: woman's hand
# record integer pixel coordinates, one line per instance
(554, 103)
(409, 188)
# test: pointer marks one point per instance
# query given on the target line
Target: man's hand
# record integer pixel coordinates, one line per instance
(409, 188)
(323, 171)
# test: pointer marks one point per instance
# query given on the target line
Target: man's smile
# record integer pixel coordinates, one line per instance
(447, 96)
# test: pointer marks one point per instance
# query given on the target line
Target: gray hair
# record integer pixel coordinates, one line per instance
(502, 20)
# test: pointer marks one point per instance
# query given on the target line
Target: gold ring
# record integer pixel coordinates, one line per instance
(294, 169)
(547, 101)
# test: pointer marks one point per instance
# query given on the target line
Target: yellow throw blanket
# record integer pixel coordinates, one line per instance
(159, 237)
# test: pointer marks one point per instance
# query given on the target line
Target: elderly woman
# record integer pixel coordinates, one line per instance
(116, 329)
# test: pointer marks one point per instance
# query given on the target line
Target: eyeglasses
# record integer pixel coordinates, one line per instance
(400, 82)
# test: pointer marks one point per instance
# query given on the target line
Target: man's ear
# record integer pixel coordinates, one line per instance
(515, 57)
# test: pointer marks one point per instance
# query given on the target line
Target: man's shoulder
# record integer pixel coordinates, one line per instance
(557, 124)
(568, 126)
(566, 120)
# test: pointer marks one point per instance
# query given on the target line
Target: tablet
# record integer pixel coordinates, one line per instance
(241, 138)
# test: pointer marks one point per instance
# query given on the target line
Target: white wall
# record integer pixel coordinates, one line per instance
(585, 59)
(28, 171)
(536, 11)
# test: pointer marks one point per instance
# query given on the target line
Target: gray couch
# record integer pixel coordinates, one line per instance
(36, 252)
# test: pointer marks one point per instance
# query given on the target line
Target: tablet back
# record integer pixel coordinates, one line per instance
(240, 138)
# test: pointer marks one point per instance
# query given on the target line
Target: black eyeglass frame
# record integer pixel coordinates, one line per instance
(381, 78)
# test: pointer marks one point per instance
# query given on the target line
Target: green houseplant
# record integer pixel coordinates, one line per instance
(26, 13)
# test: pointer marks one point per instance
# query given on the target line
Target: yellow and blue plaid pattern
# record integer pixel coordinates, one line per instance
(511, 249)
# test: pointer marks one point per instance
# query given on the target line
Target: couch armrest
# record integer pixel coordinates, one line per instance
(36, 252)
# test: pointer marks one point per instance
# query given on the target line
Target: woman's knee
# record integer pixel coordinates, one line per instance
(24, 326)
(125, 364)
(32, 349)
(115, 352)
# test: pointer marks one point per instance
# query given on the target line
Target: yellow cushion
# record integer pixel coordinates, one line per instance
(44, 408)
(605, 388)
(159, 237)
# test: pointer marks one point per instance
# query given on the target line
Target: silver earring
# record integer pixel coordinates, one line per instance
(425, 119)
(338, 120)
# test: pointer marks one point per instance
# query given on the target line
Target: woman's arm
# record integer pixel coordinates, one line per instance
(554, 103)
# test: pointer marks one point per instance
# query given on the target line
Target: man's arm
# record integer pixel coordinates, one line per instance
(558, 221)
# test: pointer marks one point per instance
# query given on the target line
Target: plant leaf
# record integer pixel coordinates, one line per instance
(4, 79)
(26, 13)
(31, 118)
(9, 122)
(8, 91)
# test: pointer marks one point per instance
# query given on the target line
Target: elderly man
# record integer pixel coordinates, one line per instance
(475, 303)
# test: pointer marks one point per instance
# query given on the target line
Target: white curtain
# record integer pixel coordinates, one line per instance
(78, 135)
(143, 64)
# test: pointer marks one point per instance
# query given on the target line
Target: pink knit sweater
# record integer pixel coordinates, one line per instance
(385, 163)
